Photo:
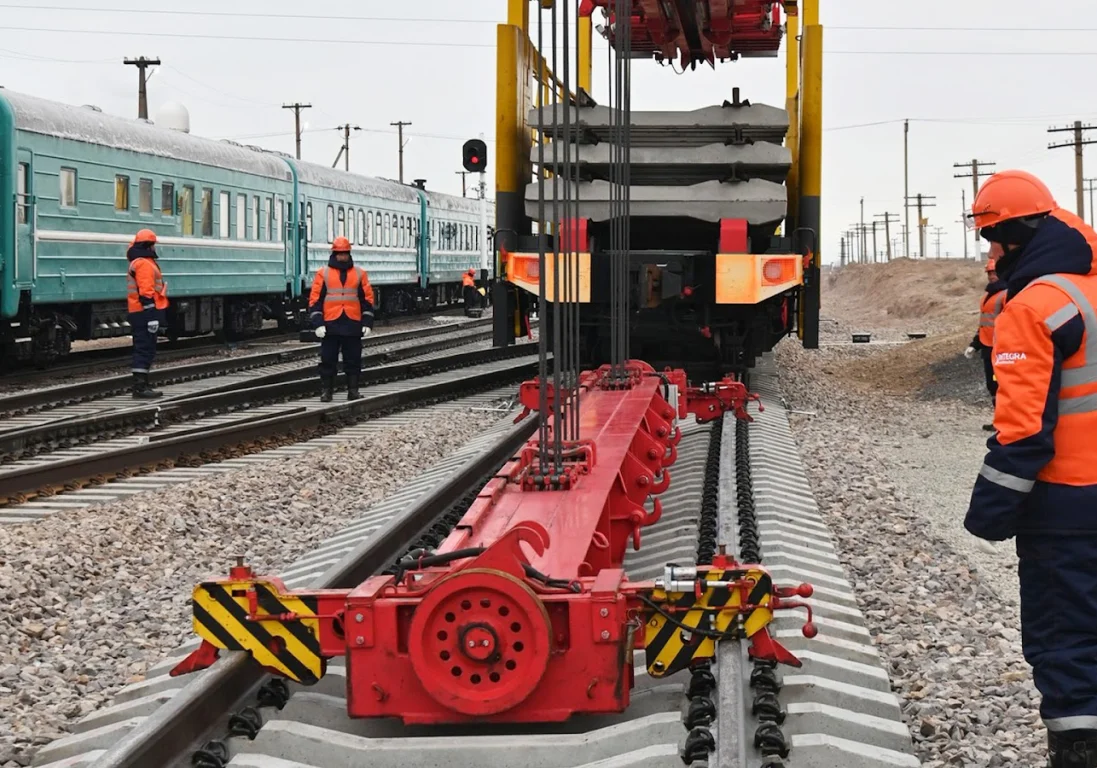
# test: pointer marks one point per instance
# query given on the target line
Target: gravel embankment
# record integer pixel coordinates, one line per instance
(93, 599)
(893, 474)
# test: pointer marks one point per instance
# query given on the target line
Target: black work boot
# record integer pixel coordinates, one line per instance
(352, 388)
(141, 388)
(327, 388)
(988, 427)
(1072, 749)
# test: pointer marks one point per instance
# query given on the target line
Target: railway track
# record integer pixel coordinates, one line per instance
(191, 432)
(102, 359)
(734, 484)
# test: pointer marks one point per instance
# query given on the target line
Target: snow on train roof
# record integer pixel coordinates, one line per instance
(87, 125)
(455, 204)
(332, 178)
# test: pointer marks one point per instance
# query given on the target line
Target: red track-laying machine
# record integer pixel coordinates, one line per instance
(524, 613)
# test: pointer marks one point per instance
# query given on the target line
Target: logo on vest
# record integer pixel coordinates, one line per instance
(1009, 358)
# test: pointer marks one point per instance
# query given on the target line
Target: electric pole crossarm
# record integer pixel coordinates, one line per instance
(1079, 173)
(399, 125)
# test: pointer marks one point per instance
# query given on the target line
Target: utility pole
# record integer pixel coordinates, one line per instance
(842, 254)
(1089, 188)
(974, 165)
(963, 223)
(142, 92)
(1077, 143)
(937, 234)
(344, 151)
(400, 137)
(297, 107)
(863, 242)
(887, 229)
(922, 203)
(906, 186)
(462, 174)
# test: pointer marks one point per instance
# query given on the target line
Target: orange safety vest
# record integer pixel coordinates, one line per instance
(988, 313)
(468, 281)
(341, 299)
(144, 278)
(1073, 462)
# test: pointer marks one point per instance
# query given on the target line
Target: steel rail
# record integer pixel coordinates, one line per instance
(182, 723)
(20, 481)
(64, 394)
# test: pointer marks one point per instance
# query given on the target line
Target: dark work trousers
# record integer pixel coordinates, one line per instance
(350, 347)
(988, 372)
(144, 343)
(472, 297)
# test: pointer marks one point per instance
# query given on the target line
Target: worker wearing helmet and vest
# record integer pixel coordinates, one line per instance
(341, 309)
(983, 343)
(468, 289)
(146, 303)
(1038, 482)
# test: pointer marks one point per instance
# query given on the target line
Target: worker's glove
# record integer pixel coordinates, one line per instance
(969, 352)
(366, 331)
(321, 332)
(154, 326)
(985, 546)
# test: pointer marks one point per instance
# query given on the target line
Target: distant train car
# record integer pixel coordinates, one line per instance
(241, 230)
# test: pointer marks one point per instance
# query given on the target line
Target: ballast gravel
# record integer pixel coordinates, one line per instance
(93, 598)
(893, 476)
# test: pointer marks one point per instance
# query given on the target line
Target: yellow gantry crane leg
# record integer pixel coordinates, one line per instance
(811, 161)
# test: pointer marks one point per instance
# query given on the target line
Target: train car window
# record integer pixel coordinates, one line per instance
(264, 218)
(144, 196)
(377, 228)
(331, 224)
(350, 225)
(270, 214)
(308, 222)
(254, 208)
(207, 212)
(68, 188)
(342, 222)
(224, 215)
(121, 193)
(242, 217)
(276, 232)
(21, 194)
(401, 236)
(167, 198)
(186, 207)
(363, 228)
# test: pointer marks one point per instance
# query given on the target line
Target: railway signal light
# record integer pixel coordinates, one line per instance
(475, 156)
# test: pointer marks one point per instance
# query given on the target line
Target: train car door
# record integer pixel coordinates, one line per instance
(25, 262)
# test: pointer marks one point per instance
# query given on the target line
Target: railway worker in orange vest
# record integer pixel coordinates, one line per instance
(468, 287)
(991, 306)
(147, 303)
(341, 309)
(1038, 482)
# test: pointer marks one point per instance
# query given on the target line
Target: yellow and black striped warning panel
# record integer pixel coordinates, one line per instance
(288, 642)
(684, 630)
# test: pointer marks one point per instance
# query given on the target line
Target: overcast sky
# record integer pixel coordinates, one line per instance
(974, 78)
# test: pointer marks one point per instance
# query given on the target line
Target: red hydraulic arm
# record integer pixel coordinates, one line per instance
(524, 613)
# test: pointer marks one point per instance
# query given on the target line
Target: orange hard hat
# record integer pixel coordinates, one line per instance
(472, 272)
(145, 236)
(1010, 195)
(341, 245)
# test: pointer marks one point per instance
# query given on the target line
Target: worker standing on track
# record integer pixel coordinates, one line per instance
(1039, 480)
(341, 309)
(468, 287)
(991, 307)
(146, 303)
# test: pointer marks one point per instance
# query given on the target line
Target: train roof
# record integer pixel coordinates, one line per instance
(87, 125)
(333, 178)
(455, 204)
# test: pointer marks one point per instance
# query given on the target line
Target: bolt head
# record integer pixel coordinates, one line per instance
(358, 617)
(605, 634)
(604, 612)
(359, 640)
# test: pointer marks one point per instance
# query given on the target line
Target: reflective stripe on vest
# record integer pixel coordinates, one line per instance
(1087, 372)
(346, 296)
(986, 319)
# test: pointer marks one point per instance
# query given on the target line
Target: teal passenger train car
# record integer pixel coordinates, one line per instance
(241, 230)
